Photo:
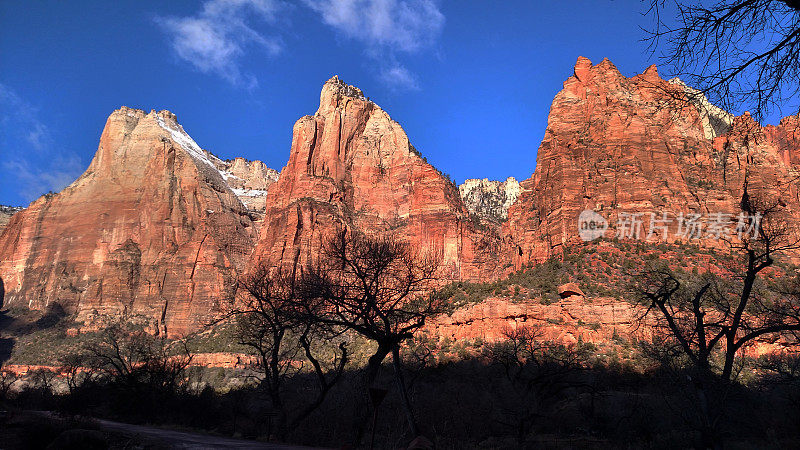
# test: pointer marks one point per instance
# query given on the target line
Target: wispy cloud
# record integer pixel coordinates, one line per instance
(18, 117)
(386, 28)
(30, 155)
(214, 39)
(400, 25)
(398, 77)
(34, 180)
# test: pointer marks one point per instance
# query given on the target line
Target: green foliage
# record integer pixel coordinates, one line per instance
(603, 268)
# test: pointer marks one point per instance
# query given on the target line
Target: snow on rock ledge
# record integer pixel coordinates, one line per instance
(249, 180)
(716, 121)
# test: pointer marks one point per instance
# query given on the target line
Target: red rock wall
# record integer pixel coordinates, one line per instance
(616, 144)
(352, 166)
(153, 226)
(148, 229)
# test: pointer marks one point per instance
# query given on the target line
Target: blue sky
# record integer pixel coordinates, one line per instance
(471, 82)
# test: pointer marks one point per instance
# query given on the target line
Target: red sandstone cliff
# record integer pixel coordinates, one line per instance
(158, 226)
(351, 165)
(152, 228)
(642, 144)
(6, 212)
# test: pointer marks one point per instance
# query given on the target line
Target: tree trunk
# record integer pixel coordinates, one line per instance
(374, 363)
(708, 434)
(398, 376)
(281, 418)
(370, 375)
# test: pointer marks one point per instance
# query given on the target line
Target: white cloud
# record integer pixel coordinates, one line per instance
(398, 77)
(19, 117)
(33, 181)
(399, 25)
(214, 39)
(385, 28)
(38, 136)
(30, 158)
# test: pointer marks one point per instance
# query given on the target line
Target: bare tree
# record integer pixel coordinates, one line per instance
(7, 380)
(269, 324)
(536, 372)
(737, 52)
(709, 320)
(79, 370)
(128, 356)
(378, 287)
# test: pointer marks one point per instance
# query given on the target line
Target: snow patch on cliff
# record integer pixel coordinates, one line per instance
(187, 143)
(6, 212)
(716, 121)
(248, 180)
(489, 199)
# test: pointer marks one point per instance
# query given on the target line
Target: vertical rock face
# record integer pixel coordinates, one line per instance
(352, 166)
(150, 228)
(5, 215)
(160, 227)
(639, 145)
(489, 200)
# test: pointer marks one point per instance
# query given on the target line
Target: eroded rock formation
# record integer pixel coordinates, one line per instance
(352, 166)
(151, 228)
(489, 199)
(5, 215)
(644, 145)
(249, 180)
(159, 227)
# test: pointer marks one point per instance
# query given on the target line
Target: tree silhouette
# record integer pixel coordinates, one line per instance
(283, 341)
(378, 287)
(709, 320)
(737, 52)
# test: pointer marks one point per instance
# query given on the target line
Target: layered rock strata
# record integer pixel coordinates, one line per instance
(489, 200)
(151, 228)
(640, 145)
(352, 166)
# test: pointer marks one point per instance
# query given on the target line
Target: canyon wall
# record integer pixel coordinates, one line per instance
(152, 228)
(618, 145)
(6, 212)
(352, 166)
(489, 199)
(160, 227)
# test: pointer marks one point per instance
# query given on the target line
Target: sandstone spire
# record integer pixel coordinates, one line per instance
(639, 145)
(351, 165)
(150, 228)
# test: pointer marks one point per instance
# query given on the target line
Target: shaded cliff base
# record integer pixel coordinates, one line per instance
(617, 396)
(466, 403)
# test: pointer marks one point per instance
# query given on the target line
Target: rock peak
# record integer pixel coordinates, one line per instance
(583, 66)
(336, 91)
(651, 71)
(337, 86)
(489, 199)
